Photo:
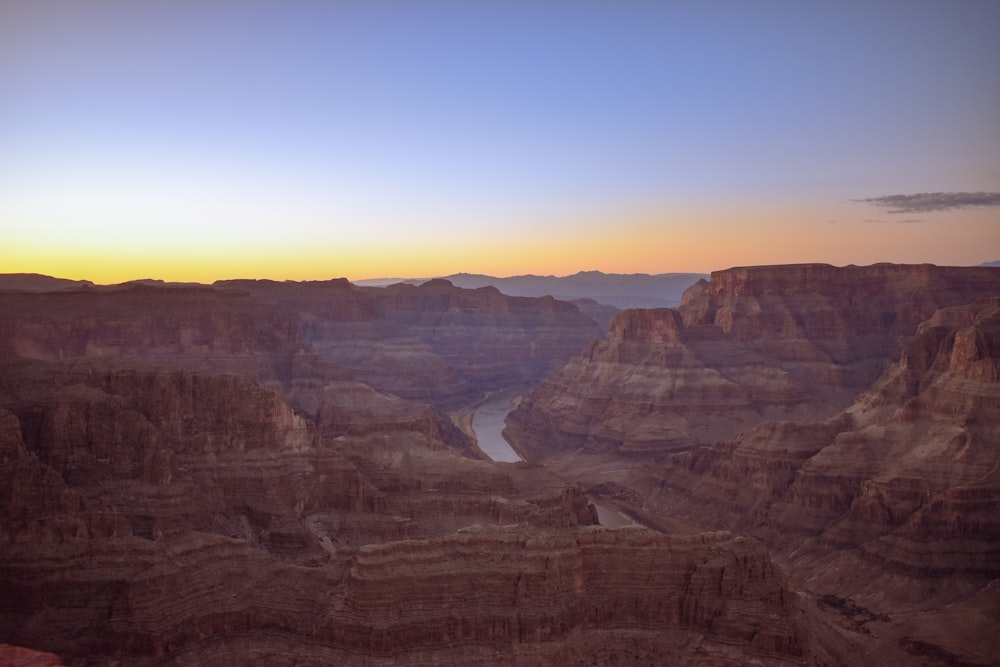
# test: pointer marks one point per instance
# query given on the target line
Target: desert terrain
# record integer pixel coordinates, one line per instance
(802, 461)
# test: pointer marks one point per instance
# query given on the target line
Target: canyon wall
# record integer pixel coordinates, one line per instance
(753, 344)
(261, 473)
(435, 343)
(170, 517)
(720, 415)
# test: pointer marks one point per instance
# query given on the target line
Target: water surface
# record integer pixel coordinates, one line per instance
(488, 422)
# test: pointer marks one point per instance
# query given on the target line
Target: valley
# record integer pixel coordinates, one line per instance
(796, 465)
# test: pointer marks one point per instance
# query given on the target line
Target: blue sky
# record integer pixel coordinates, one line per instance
(203, 140)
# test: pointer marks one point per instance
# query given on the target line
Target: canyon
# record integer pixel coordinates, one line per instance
(262, 472)
(846, 417)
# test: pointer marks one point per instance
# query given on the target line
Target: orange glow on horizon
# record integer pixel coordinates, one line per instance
(685, 240)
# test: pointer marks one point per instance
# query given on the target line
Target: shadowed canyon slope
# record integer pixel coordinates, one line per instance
(435, 343)
(849, 418)
(241, 475)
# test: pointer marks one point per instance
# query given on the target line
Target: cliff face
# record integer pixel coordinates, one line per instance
(891, 504)
(224, 487)
(484, 596)
(912, 462)
(168, 517)
(435, 343)
(753, 344)
(192, 327)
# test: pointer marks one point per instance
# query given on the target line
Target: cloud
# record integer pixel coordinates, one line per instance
(926, 202)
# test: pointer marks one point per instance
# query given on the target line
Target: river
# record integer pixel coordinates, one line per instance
(488, 422)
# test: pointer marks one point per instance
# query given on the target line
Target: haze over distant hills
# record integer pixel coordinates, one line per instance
(633, 290)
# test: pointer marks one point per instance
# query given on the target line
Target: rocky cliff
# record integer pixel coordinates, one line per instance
(435, 343)
(484, 596)
(192, 327)
(886, 509)
(165, 516)
(224, 488)
(893, 502)
(914, 460)
(752, 344)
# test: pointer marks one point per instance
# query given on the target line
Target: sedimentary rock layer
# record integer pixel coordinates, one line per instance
(163, 516)
(753, 344)
(484, 596)
(892, 503)
(436, 342)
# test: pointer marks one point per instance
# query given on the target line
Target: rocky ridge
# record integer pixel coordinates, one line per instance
(169, 517)
(232, 486)
(753, 344)
(884, 509)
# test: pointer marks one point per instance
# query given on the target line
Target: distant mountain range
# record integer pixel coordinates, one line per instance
(634, 290)
(36, 282)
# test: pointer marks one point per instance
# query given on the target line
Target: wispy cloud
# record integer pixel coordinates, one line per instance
(926, 202)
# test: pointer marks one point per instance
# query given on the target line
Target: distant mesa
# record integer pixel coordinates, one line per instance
(37, 282)
(621, 291)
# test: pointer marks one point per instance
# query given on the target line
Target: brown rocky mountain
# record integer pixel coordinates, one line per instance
(618, 290)
(884, 508)
(261, 473)
(753, 344)
(435, 343)
(172, 517)
(195, 475)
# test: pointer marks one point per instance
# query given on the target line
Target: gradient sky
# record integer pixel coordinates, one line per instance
(197, 140)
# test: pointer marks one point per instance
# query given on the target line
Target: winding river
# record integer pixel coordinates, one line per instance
(488, 422)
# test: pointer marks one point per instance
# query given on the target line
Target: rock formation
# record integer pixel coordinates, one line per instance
(165, 516)
(753, 344)
(246, 474)
(435, 343)
(885, 510)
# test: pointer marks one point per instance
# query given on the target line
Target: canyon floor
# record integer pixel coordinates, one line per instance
(803, 463)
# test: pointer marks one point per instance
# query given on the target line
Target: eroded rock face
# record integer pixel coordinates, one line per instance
(18, 656)
(252, 507)
(914, 459)
(488, 596)
(753, 344)
(169, 517)
(891, 503)
(435, 343)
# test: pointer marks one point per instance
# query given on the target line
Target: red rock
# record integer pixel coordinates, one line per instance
(753, 344)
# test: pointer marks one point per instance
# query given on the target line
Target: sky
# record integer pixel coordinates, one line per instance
(198, 140)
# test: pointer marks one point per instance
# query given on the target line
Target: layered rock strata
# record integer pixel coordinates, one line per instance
(753, 344)
(435, 343)
(484, 596)
(889, 508)
(162, 516)
(193, 327)
(907, 478)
